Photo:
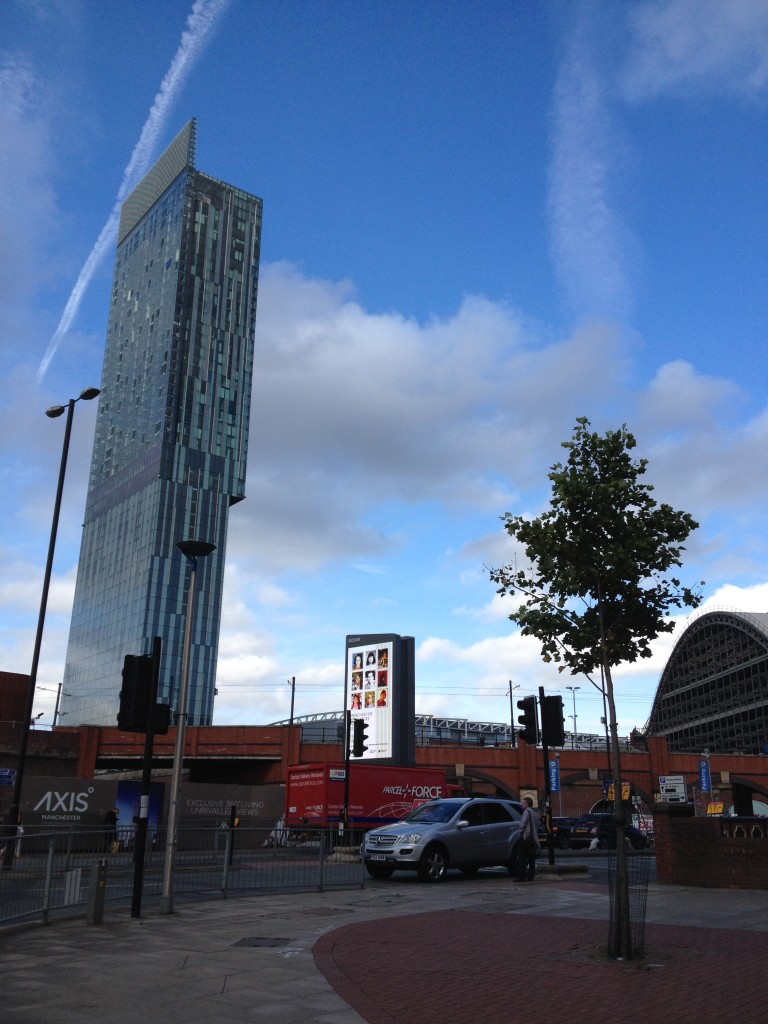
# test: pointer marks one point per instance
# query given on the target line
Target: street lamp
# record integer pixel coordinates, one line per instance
(510, 691)
(192, 550)
(292, 684)
(573, 690)
(14, 817)
(59, 694)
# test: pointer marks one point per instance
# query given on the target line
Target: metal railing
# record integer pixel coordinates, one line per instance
(54, 872)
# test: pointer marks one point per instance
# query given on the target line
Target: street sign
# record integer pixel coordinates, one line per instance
(554, 776)
(610, 792)
(7, 776)
(705, 779)
(672, 789)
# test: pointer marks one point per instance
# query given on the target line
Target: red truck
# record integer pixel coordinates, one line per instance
(377, 793)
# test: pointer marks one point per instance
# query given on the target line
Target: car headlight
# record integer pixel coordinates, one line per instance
(412, 837)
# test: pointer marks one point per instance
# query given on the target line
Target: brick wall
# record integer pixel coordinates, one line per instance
(725, 853)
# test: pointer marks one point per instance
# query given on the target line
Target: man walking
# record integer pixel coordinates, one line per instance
(528, 847)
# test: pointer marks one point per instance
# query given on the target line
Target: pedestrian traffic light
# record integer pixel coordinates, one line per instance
(528, 720)
(359, 737)
(134, 696)
(162, 719)
(552, 722)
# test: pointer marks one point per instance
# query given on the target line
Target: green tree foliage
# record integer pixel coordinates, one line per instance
(598, 587)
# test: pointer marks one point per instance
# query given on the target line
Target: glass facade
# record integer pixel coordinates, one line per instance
(171, 443)
(713, 693)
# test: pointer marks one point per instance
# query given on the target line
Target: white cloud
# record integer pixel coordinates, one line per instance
(680, 398)
(351, 410)
(354, 410)
(499, 608)
(592, 248)
(742, 599)
(699, 46)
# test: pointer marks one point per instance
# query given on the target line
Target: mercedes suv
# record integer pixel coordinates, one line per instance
(458, 832)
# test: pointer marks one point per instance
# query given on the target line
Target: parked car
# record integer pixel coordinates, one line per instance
(561, 832)
(456, 832)
(600, 830)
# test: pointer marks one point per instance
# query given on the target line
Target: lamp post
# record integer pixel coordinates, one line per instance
(573, 690)
(59, 694)
(512, 735)
(292, 684)
(192, 550)
(14, 816)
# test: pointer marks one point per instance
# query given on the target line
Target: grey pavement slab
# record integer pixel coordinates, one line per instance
(344, 957)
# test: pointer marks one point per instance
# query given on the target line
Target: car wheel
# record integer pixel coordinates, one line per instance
(380, 871)
(564, 843)
(469, 870)
(433, 864)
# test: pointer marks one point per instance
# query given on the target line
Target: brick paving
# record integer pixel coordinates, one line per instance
(463, 967)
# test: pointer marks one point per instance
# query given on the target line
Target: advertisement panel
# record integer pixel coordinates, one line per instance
(371, 696)
(83, 803)
(379, 690)
(315, 793)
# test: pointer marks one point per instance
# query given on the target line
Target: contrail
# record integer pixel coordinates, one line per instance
(203, 17)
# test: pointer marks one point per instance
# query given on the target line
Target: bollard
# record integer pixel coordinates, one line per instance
(96, 893)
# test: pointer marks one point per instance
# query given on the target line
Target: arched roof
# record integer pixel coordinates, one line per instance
(713, 692)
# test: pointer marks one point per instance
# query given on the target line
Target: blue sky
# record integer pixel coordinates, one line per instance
(481, 221)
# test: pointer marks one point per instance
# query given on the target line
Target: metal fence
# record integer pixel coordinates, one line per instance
(55, 873)
(638, 874)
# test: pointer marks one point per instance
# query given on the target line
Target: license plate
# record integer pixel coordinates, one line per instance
(377, 856)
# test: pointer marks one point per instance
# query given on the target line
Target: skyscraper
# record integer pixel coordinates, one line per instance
(169, 453)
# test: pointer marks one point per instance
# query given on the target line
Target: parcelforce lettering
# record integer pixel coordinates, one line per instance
(423, 792)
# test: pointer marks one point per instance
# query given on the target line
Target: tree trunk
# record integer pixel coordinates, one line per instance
(620, 938)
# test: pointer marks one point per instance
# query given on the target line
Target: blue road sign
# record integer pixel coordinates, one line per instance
(705, 780)
(554, 776)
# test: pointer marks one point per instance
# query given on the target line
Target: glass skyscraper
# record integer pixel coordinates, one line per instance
(169, 454)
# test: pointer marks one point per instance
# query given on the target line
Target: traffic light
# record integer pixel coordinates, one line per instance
(359, 737)
(552, 722)
(134, 696)
(162, 719)
(528, 720)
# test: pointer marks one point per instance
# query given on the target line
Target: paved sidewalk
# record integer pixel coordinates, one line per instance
(455, 953)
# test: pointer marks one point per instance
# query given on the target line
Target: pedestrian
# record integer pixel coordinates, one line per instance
(528, 847)
(110, 830)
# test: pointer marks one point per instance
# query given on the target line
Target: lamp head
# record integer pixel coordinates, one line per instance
(86, 395)
(195, 548)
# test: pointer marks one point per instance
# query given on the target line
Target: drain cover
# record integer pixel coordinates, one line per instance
(257, 940)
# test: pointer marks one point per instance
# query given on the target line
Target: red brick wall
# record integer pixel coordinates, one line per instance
(724, 853)
(13, 697)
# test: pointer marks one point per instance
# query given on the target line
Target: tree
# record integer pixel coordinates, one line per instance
(597, 588)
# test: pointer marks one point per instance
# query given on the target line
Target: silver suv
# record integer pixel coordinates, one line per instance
(458, 832)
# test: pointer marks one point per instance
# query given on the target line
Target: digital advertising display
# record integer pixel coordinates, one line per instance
(379, 685)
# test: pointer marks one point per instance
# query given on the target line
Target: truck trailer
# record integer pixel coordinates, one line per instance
(377, 793)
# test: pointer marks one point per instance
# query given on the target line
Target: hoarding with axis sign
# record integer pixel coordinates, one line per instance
(379, 685)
